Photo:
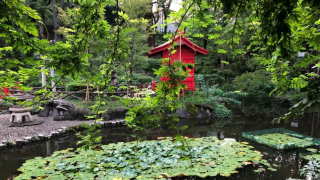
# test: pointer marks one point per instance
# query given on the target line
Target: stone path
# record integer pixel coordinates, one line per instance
(13, 133)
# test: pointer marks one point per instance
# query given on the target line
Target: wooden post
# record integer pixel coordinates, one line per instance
(53, 84)
(43, 76)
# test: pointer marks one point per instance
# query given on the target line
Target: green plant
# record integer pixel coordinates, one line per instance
(147, 160)
(312, 169)
(217, 98)
(89, 137)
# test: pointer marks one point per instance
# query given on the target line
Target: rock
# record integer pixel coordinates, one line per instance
(195, 111)
(81, 113)
(118, 122)
(54, 113)
(19, 142)
(106, 116)
(102, 124)
(4, 142)
(62, 104)
(117, 113)
(63, 118)
(2, 146)
(63, 110)
(45, 111)
(182, 113)
(28, 139)
(54, 133)
(41, 137)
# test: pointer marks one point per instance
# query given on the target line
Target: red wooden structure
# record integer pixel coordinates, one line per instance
(186, 51)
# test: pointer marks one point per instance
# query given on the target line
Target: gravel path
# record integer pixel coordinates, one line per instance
(13, 133)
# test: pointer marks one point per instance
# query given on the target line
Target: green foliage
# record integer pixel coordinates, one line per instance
(308, 104)
(311, 168)
(108, 104)
(89, 137)
(146, 160)
(255, 83)
(217, 98)
(280, 139)
(18, 34)
(4, 103)
(137, 78)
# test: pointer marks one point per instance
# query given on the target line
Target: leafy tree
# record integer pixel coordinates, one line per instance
(18, 42)
(136, 10)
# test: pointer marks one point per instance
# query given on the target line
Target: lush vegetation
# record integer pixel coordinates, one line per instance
(147, 160)
(280, 139)
(261, 53)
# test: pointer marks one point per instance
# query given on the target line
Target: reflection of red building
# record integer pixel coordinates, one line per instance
(186, 51)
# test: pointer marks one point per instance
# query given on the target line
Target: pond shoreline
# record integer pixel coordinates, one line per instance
(11, 137)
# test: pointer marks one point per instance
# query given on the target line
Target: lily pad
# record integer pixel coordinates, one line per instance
(146, 160)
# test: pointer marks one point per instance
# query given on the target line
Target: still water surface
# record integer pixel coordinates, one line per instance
(289, 162)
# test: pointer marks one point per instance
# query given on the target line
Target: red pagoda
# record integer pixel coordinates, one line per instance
(186, 51)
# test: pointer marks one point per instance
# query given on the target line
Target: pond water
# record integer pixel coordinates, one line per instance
(288, 161)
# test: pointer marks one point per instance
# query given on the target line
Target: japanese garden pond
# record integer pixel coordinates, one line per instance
(288, 162)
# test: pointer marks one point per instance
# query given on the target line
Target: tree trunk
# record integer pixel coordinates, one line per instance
(68, 3)
(87, 91)
(131, 62)
(55, 20)
(314, 124)
(222, 58)
(61, 3)
(164, 20)
(205, 42)
(41, 31)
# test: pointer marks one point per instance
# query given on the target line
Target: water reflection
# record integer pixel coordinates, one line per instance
(288, 162)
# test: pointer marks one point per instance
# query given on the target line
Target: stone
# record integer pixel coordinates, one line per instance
(63, 118)
(10, 143)
(81, 113)
(5, 143)
(117, 113)
(2, 146)
(28, 139)
(54, 113)
(63, 110)
(19, 142)
(182, 113)
(41, 137)
(18, 116)
(28, 123)
(45, 111)
(101, 124)
(118, 122)
(54, 133)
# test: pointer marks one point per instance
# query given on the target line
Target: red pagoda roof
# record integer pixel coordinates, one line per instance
(157, 50)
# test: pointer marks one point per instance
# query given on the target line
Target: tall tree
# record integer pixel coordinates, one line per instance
(136, 10)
